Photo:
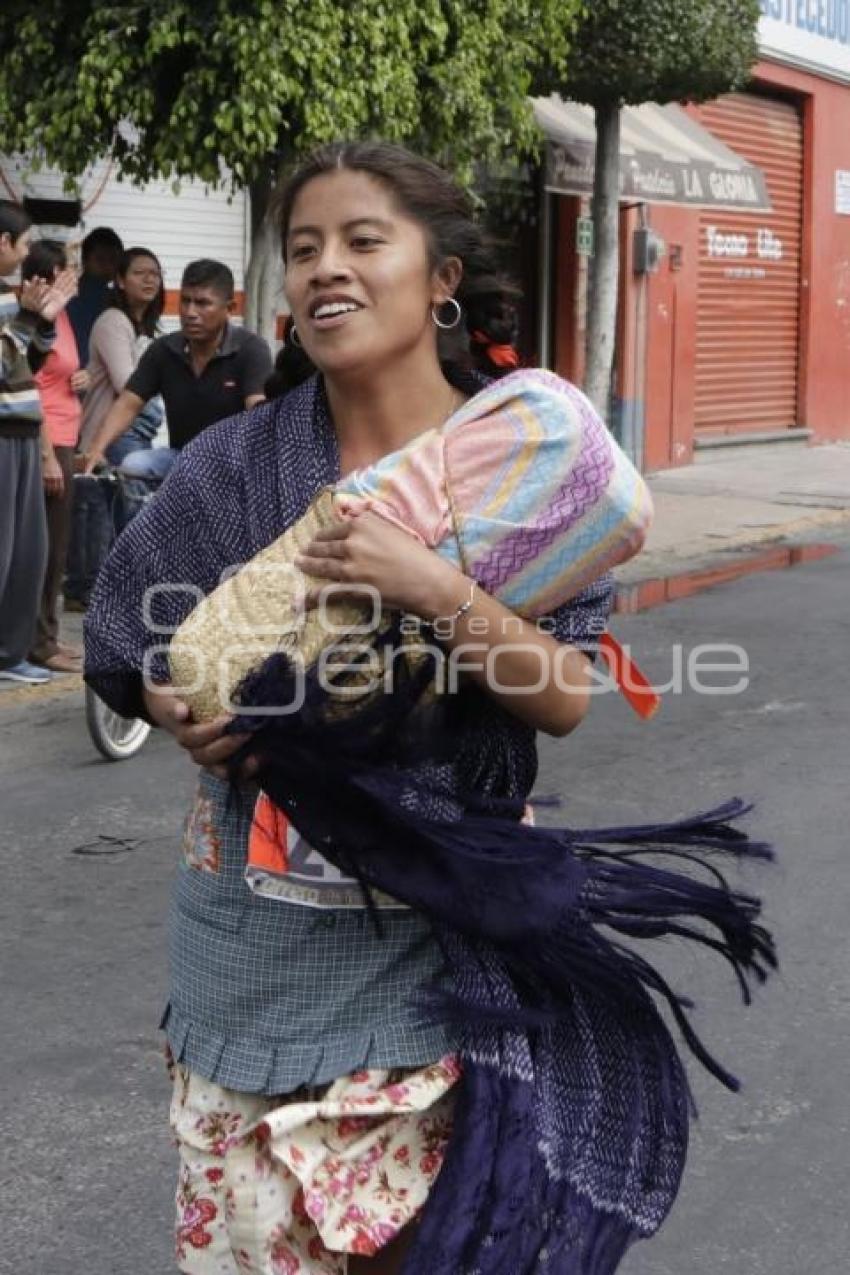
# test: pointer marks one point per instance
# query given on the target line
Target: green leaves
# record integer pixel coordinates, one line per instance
(252, 83)
(662, 50)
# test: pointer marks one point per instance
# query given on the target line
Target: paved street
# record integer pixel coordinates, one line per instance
(87, 1167)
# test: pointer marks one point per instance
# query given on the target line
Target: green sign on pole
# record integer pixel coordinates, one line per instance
(584, 237)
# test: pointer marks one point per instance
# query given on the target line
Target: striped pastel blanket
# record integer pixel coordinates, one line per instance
(523, 489)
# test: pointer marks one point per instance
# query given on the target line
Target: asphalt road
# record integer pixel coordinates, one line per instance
(86, 1176)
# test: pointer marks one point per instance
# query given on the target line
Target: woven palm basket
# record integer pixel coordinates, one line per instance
(256, 613)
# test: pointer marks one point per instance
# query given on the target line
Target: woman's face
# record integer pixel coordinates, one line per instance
(142, 281)
(358, 277)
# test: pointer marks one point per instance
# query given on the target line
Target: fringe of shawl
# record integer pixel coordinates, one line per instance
(542, 896)
(553, 908)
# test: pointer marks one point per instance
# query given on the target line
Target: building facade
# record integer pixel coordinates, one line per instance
(738, 329)
(179, 222)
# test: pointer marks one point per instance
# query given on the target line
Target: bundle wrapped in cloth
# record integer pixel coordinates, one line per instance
(523, 489)
(571, 1124)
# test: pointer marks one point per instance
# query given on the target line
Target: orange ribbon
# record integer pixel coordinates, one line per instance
(635, 688)
(499, 355)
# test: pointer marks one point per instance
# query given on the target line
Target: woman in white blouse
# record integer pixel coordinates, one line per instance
(118, 339)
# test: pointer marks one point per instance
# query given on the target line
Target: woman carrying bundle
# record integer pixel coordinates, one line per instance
(320, 1099)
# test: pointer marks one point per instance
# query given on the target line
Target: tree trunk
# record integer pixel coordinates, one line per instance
(602, 307)
(264, 275)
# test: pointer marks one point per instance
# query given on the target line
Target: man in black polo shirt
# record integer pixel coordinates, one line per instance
(205, 372)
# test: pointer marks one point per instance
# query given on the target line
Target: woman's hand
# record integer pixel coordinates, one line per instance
(51, 474)
(58, 294)
(80, 380)
(33, 294)
(366, 550)
(205, 742)
(46, 298)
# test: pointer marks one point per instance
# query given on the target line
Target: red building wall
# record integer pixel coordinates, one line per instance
(825, 298)
(659, 314)
(670, 340)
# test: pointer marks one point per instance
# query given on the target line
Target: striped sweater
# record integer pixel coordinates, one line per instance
(24, 338)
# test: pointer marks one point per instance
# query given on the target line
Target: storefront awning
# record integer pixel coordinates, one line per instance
(665, 157)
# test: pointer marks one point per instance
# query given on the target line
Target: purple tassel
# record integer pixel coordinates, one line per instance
(535, 913)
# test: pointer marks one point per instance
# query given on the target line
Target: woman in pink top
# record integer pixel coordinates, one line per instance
(60, 383)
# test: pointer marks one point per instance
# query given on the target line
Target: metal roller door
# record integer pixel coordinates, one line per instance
(749, 277)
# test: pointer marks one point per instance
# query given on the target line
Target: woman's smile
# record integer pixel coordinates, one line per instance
(332, 311)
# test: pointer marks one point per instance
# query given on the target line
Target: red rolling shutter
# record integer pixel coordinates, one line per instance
(749, 277)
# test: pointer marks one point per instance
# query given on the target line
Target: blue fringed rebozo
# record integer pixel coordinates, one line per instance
(572, 1118)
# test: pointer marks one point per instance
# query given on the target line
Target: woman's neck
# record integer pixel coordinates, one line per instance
(377, 413)
(137, 312)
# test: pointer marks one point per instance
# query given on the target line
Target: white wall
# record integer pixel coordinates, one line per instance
(197, 222)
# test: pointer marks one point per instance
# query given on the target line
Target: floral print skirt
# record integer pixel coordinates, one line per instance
(293, 1185)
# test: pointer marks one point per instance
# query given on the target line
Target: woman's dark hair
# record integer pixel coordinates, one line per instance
(14, 219)
(432, 198)
(148, 324)
(292, 365)
(44, 259)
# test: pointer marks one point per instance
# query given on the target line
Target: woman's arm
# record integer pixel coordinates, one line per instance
(114, 340)
(51, 472)
(538, 679)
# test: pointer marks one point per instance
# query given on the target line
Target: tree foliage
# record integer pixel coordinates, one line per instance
(662, 50)
(178, 87)
(204, 88)
(632, 51)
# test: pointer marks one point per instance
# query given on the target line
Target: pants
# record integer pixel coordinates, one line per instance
(58, 510)
(153, 464)
(90, 537)
(23, 545)
(93, 521)
(142, 471)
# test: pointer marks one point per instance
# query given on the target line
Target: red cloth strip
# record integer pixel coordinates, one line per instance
(635, 688)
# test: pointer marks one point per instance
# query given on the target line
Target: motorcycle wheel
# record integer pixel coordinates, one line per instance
(115, 738)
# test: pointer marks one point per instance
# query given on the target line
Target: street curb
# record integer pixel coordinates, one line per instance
(667, 563)
(15, 695)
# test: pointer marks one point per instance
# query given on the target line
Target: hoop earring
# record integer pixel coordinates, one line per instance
(294, 337)
(446, 327)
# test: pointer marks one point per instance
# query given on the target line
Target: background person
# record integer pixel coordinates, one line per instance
(26, 331)
(207, 371)
(118, 339)
(99, 255)
(60, 383)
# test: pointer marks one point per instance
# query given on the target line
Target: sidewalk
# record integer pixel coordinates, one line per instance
(751, 497)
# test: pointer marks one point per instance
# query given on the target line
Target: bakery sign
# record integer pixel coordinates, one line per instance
(813, 35)
(652, 178)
